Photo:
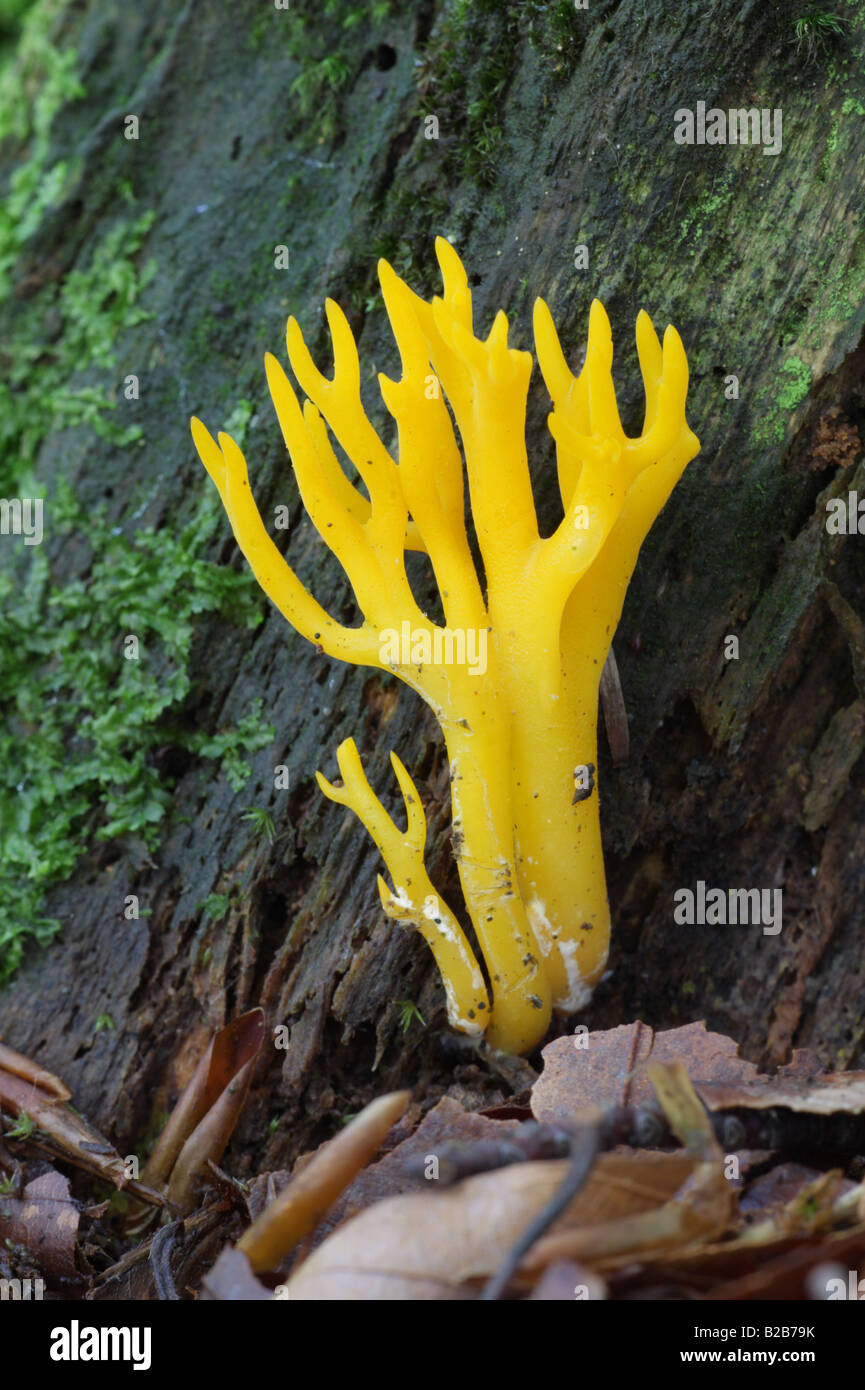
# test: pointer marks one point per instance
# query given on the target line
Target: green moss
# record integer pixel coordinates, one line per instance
(315, 88)
(82, 724)
(273, 26)
(323, 40)
(231, 745)
(843, 61)
(792, 321)
(829, 150)
(796, 383)
(774, 408)
(834, 281)
(33, 88)
(216, 905)
(816, 30)
(705, 208)
(471, 58)
(42, 390)
(261, 823)
(408, 1014)
(56, 323)
(558, 32)
(469, 63)
(400, 240)
(12, 13)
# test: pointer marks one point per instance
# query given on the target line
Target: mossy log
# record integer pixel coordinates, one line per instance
(554, 132)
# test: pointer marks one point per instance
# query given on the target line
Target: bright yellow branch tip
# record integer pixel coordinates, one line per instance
(512, 675)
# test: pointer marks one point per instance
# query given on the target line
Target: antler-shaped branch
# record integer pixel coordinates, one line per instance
(227, 468)
(518, 720)
(413, 898)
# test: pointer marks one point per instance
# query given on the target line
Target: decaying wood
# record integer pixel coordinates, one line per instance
(744, 772)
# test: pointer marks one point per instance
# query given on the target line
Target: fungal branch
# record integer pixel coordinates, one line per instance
(413, 899)
(518, 722)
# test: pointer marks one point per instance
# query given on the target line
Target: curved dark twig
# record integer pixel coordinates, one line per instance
(161, 1247)
(585, 1144)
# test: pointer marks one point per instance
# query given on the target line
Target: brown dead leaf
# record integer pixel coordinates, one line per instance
(803, 1223)
(565, 1282)
(28, 1090)
(776, 1189)
(446, 1123)
(436, 1244)
(831, 1094)
(701, 1209)
(800, 1273)
(428, 1245)
(45, 1220)
(609, 1071)
(432, 1244)
(230, 1050)
(231, 1280)
(802, 1063)
(202, 1121)
(300, 1206)
(171, 1262)
(14, 1064)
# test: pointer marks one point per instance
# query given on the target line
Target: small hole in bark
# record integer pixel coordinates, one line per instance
(385, 57)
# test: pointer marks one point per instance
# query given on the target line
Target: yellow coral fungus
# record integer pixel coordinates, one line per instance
(513, 674)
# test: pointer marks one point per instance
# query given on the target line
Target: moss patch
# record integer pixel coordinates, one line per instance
(88, 737)
(89, 720)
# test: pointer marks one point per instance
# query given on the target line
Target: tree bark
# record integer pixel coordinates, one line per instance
(743, 772)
